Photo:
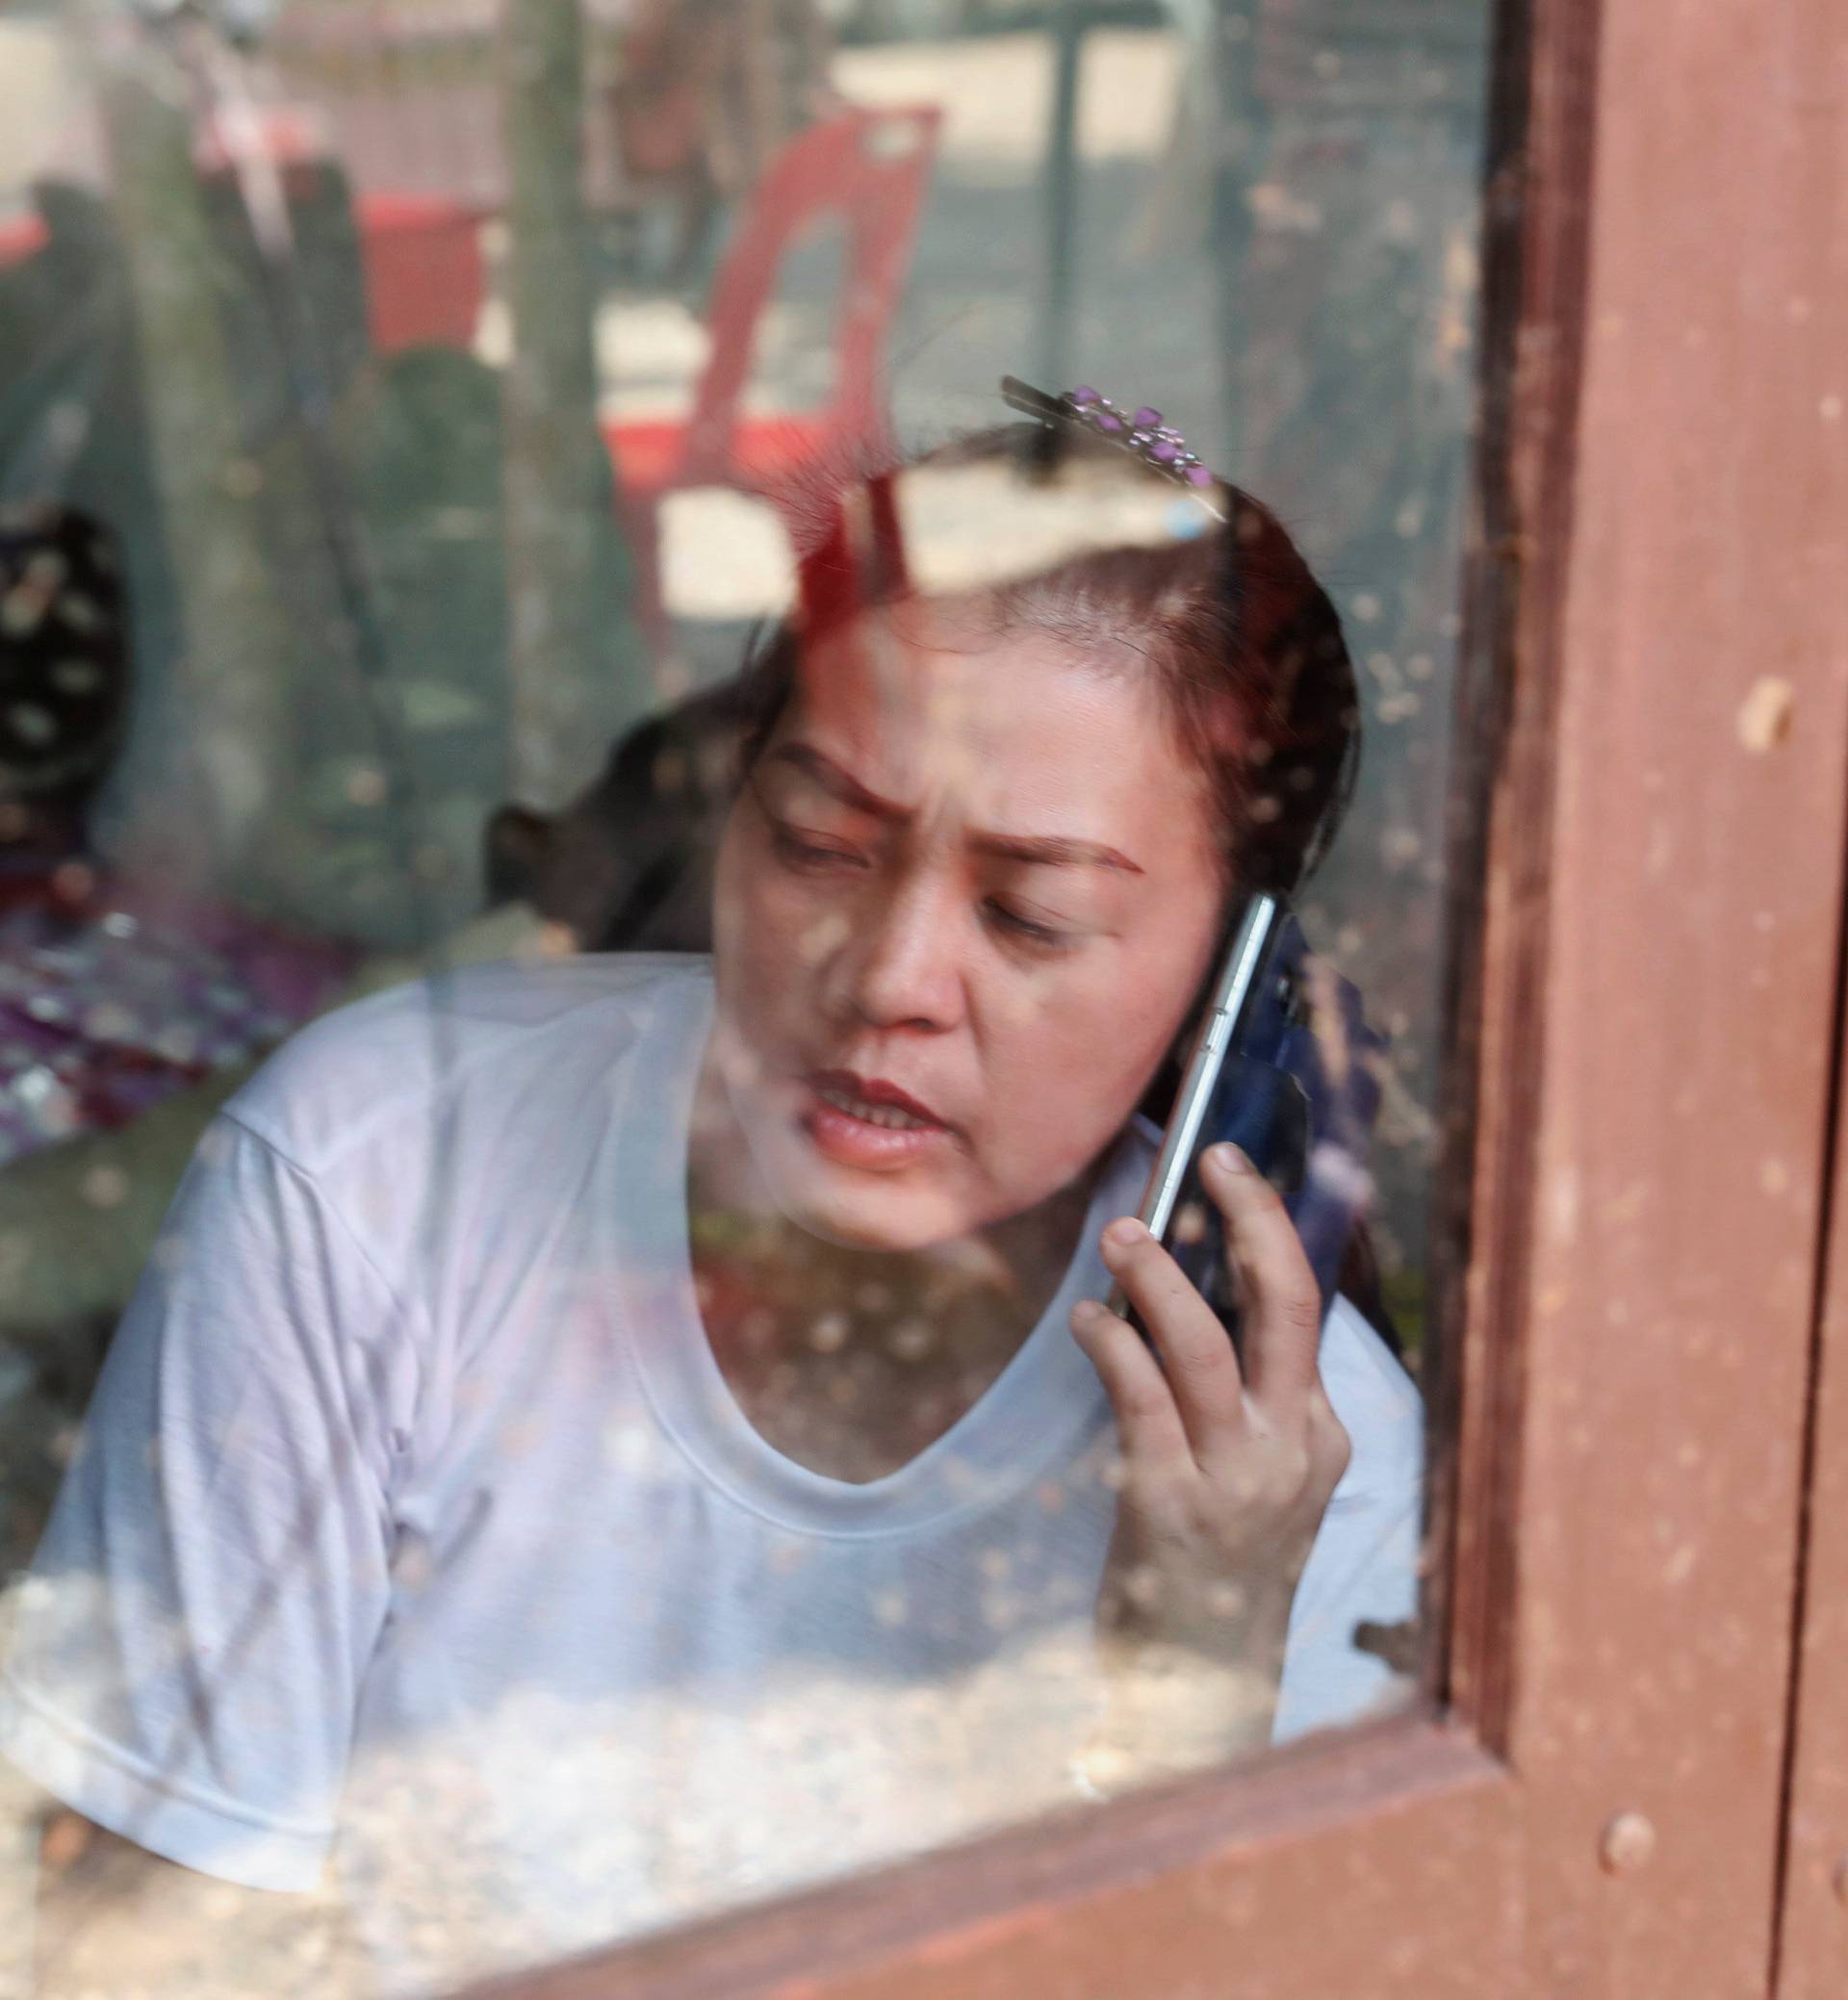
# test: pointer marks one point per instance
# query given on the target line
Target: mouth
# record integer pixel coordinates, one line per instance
(875, 1100)
(866, 1121)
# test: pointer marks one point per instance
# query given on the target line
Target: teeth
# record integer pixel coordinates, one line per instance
(887, 1116)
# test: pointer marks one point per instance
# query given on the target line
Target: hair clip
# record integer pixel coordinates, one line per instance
(1139, 432)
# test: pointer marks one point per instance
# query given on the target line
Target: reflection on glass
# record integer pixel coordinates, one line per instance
(621, 1419)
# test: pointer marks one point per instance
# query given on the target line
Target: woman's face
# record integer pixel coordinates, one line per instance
(964, 902)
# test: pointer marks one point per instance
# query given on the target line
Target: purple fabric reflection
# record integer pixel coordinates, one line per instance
(111, 1001)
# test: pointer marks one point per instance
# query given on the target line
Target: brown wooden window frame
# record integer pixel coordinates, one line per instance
(1600, 1796)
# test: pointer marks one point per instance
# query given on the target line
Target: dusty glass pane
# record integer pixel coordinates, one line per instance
(613, 865)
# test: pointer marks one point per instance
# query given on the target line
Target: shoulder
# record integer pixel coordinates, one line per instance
(1380, 1407)
(467, 1040)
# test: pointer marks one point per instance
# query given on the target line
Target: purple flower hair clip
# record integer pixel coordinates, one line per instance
(1139, 432)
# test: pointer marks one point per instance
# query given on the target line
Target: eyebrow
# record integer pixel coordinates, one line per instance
(1047, 850)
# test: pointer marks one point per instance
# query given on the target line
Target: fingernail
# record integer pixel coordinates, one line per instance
(1227, 1159)
(1087, 1313)
(1123, 1232)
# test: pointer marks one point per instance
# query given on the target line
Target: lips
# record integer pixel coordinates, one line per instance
(873, 1099)
(868, 1122)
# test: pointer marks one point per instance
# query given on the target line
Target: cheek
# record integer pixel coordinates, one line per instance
(1066, 1068)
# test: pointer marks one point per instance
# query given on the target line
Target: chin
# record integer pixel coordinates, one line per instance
(857, 1211)
(891, 1219)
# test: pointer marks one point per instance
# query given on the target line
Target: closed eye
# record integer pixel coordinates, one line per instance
(811, 853)
(1015, 924)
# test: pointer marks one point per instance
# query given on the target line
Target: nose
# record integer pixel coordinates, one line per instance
(901, 968)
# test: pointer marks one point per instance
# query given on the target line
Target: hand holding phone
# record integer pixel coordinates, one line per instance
(1230, 1449)
(1227, 1461)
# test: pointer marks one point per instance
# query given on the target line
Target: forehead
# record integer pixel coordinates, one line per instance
(928, 697)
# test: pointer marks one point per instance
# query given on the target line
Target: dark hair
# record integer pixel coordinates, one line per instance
(63, 661)
(1246, 647)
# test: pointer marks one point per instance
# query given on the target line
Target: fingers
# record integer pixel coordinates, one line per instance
(1280, 1301)
(1195, 1348)
(1149, 1425)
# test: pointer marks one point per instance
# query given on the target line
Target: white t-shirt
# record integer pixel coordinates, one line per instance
(414, 1508)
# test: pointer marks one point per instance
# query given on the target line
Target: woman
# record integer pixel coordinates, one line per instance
(653, 1418)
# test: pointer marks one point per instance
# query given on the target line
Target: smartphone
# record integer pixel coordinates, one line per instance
(1284, 1066)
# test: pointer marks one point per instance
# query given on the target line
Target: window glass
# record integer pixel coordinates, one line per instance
(671, 673)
